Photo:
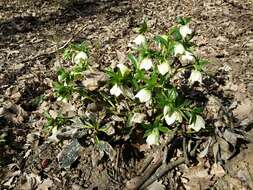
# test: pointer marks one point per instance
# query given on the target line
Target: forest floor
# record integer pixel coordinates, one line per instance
(32, 34)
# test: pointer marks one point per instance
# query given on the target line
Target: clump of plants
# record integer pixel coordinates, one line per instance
(152, 86)
(156, 97)
(148, 91)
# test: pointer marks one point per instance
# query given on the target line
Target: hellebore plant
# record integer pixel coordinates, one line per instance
(154, 64)
(146, 91)
(66, 86)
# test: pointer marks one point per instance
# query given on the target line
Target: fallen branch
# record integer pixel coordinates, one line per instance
(164, 168)
(151, 164)
(137, 181)
(161, 171)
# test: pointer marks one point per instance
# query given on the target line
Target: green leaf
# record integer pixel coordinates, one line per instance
(183, 21)
(143, 27)
(147, 132)
(172, 94)
(200, 63)
(161, 98)
(115, 77)
(163, 129)
(175, 34)
(152, 81)
(160, 40)
(133, 60)
(197, 110)
(192, 118)
(67, 54)
(74, 48)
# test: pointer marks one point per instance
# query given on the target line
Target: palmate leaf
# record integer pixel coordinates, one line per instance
(133, 60)
(200, 63)
(115, 77)
(197, 110)
(64, 76)
(160, 40)
(153, 80)
(148, 132)
(175, 34)
(183, 21)
(160, 98)
(143, 27)
(63, 91)
(163, 129)
(172, 94)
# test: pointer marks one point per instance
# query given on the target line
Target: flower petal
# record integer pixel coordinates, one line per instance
(153, 138)
(123, 69)
(195, 76)
(79, 57)
(163, 68)
(146, 64)
(175, 116)
(198, 124)
(140, 39)
(187, 57)
(170, 119)
(116, 90)
(144, 95)
(179, 49)
(185, 30)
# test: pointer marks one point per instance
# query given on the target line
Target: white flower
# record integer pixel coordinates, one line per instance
(196, 76)
(116, 90)
(140, 39)
(144, 95)
(60, 78)
(123, 69)
(185, 30)
(198, 124)
(170, 119)
(146, 64)
(179, 49)
(163, 68)
(79, 57)
(153, 138)
(187, 57)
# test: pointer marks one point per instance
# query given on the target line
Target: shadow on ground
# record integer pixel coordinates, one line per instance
(66, 13)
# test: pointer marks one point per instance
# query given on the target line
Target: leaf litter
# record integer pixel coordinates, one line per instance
(14, 117)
